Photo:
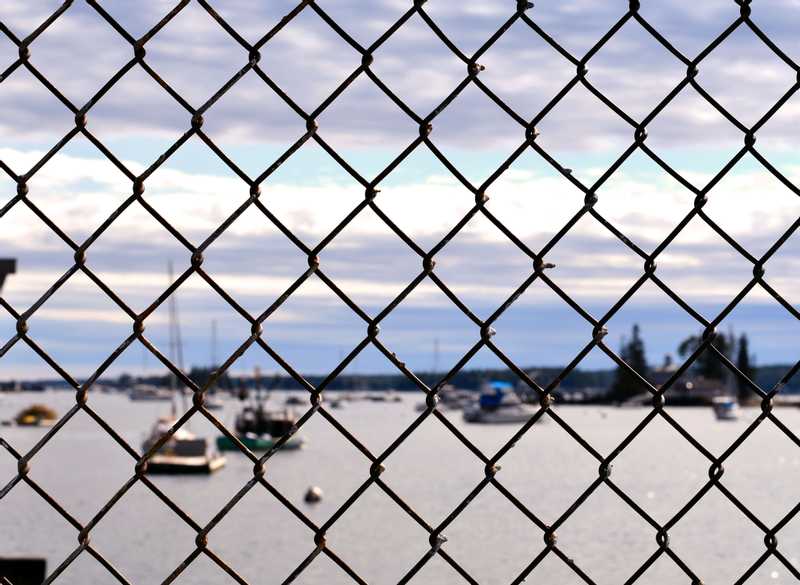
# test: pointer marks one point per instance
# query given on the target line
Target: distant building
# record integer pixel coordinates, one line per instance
(660, 375)
(688, 389)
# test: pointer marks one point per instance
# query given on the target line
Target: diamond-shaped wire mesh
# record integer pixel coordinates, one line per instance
(520, 12)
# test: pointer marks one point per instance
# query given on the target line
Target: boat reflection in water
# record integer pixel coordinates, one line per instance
(183, 452)
(499, 404)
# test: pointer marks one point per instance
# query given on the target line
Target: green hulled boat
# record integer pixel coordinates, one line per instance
(259, 428)
(259, 443)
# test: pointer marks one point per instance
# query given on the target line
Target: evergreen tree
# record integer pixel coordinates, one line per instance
(708, 363)
(632, 353)
(745, 366)
(201, 375)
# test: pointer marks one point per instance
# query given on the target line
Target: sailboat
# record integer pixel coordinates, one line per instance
(258, 428)
(450, 397)
(183, 452)
(212, 400)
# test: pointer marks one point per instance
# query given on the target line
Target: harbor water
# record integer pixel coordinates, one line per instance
(83, 467)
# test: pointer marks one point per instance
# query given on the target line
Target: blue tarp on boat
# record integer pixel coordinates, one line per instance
(493, 396)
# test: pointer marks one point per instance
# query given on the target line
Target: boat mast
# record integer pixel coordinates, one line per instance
(175, 340)
(435, 358)
(257, 383)
(214, 366)
(214, 343)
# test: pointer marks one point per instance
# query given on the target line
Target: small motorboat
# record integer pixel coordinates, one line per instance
(295, 400)
(182, 453)
(213, 402)
(383, 396)
(149, 393)
(499, 404)
(725, 408)
(37, 415)
(450, 398)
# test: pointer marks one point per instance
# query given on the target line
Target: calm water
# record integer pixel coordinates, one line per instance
(82, 467)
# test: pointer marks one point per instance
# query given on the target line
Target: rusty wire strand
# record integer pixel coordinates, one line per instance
(520, 13)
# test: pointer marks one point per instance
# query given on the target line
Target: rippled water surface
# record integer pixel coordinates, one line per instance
(547, 470)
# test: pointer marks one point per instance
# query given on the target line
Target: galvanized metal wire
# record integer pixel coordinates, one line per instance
(519, 11)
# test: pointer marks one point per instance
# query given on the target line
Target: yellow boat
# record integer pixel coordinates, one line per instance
(38, 415)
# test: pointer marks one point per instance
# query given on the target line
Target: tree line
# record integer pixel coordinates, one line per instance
(708, 364)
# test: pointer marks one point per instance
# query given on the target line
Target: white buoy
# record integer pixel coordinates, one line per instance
(313, 495)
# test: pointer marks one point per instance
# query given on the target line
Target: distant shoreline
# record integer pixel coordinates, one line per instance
(593, 384)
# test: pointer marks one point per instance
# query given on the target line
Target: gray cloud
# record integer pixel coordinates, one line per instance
(308, 59)
(314, 329)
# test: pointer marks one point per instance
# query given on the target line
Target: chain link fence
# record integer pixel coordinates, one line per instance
(520, 11)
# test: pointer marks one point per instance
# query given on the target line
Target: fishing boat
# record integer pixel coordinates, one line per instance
(149, 393)
(725, 408)
(182, 453)
(37, 415)
(499, 404)
(259, 428)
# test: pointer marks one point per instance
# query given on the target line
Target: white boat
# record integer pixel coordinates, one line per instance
(150, 393)
(213, 402)
(183, 452)
(725, 408)
(499, 404)
(383, 396)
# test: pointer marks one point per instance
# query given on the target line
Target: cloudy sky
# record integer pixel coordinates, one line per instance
(311, 193)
